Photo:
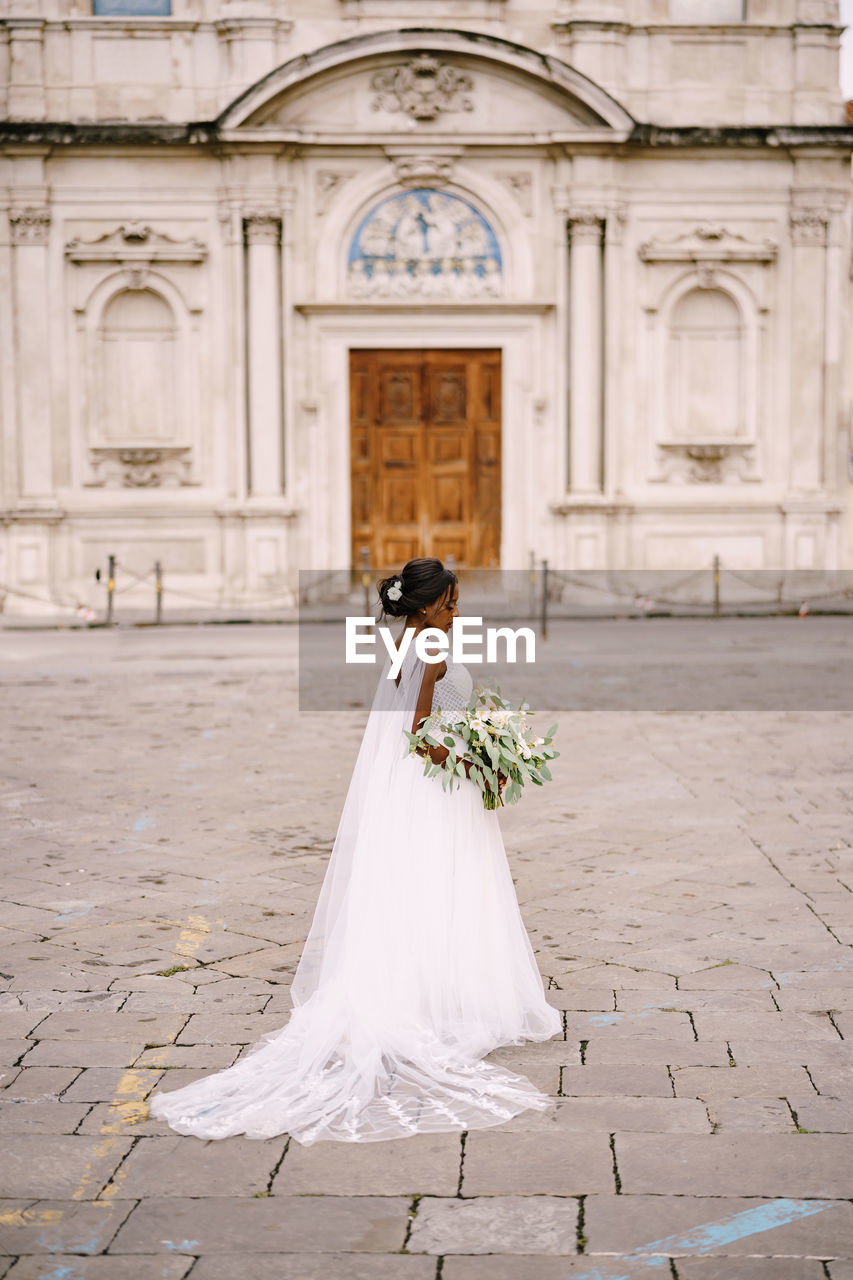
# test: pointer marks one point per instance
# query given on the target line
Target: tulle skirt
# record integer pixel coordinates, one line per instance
(426, 967)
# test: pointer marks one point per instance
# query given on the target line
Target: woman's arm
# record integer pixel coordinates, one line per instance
(433, 672)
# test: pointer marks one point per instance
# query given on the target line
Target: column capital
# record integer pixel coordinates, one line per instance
(30, 225)
(262, 228)
(585, 223)
(810, 224)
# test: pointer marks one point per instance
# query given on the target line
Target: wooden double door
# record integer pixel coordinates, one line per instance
(426, 456)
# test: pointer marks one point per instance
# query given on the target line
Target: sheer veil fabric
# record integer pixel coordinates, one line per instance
(416, 965)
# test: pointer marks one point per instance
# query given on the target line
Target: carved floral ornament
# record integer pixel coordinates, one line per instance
(140, 467)
(423, 88)
(29, 226)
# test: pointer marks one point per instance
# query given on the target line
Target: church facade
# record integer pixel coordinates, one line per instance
(291, 284)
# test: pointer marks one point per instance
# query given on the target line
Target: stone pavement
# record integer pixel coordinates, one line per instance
(687, 883)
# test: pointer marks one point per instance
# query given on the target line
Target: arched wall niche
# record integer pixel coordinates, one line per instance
(707, 326)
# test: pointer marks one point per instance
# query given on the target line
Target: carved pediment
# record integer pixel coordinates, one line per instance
(135, 242)
(708, 242)
(412, 81)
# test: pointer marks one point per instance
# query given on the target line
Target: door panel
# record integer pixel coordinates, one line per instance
(426, 456)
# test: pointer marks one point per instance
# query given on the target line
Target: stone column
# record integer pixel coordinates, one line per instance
(585, 351)
(808, 337)
(29, 230)
(263, 355)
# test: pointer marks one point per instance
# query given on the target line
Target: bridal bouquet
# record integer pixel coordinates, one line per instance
(496, 739)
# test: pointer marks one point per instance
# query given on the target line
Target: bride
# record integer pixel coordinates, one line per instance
(417, 963)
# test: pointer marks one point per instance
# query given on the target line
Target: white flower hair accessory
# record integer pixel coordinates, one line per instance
(395, 590)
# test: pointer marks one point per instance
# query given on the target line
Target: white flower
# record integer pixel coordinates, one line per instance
(395, 590)
(500, 717)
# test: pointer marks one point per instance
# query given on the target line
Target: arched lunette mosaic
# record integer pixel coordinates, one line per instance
(424, 243)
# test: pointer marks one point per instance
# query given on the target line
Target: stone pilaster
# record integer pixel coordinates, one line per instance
(263, 355)
(29, 229)
(585, 350)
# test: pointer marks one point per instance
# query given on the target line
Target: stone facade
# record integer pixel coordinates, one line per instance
(644, 204)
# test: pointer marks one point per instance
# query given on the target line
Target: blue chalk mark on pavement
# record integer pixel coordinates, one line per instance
(143, 823)
(710, 1236)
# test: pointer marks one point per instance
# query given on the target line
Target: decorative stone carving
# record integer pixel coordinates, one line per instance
(135, 242)
(521, 186)
(29, 226)
(262, 228)
(140, 467)
(809, 226)
(423, 88)
(710, 242)
(326, 184)
(585, 224)
(415, 170)
(698, 463)
(424, 243)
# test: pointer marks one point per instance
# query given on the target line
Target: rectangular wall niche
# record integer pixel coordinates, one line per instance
(132, 8)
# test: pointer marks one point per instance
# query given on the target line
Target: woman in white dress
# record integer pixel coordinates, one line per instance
(417, 963)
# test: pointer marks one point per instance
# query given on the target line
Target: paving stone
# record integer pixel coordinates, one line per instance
(758, 1164)
(825, 1115)
(536, 1225)
(606, 1115)
(24, 1116)
(181, 1166)
(627, 1049)
(841, 1269)
(625, 1223)
(515, 1266)
(214, 1056)
(650, 1022)
(557, 1163)
(154, 1267)
(39, 1082)
(226, 1028)
(810, 1052)
(280, 1224)
(764, 1026)
(728, 1268)
(720, 1001)
(80, 1053)
(58, 1226)
(814, 999)
(772, 1081)
(753, 1115)
(425, 1164)
(835, 1082)
(721, 976)
(58, 1167)
(640, 1081)
(101, 1084)
(90, 1026)
(314, 1266)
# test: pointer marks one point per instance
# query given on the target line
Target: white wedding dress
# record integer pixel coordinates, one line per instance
(417, 964)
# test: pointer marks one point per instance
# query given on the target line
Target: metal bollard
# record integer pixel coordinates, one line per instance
(111, 586)
(544, 619)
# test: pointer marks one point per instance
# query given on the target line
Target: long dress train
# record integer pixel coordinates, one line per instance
(417, 964)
